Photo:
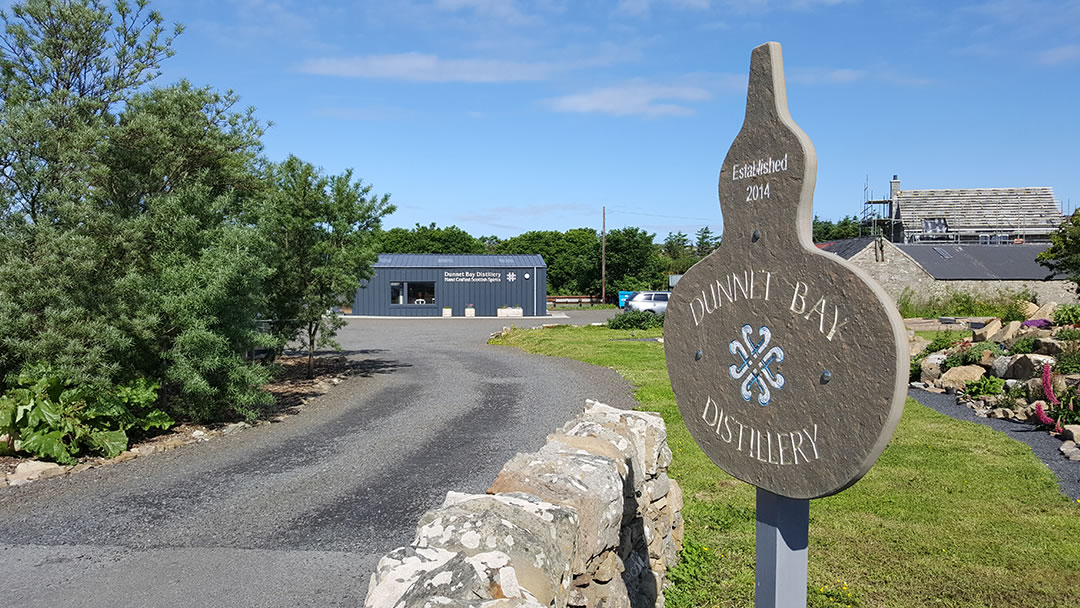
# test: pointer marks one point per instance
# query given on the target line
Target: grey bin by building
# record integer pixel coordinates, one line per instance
(421, 285)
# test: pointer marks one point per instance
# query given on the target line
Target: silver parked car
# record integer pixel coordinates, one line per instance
(649, 301)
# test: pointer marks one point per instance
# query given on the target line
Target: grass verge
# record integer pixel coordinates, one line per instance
(952, 515)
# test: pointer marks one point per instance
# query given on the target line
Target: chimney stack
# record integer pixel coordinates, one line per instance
(894, 188)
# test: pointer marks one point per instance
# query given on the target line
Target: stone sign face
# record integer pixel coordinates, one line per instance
(789, 365)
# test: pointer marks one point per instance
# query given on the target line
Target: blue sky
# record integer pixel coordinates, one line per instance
(502, 116)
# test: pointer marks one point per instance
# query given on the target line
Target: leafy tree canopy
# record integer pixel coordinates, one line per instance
(429, 239)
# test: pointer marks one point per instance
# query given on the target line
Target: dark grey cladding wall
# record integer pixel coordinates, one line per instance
(486, 297)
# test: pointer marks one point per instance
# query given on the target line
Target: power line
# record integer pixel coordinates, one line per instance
(674, 217)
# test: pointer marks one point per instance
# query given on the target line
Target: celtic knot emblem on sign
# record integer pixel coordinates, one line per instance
(754, 364)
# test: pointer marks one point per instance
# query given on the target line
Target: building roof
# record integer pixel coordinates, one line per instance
(979, 262)
(437, 260)
(988, 210)
(846, 248)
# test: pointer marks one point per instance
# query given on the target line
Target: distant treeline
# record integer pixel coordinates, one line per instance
(634, 261)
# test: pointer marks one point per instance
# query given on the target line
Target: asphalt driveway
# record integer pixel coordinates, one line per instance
(297, 513)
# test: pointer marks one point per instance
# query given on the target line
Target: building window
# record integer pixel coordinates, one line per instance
(421, 292)
(412, 292)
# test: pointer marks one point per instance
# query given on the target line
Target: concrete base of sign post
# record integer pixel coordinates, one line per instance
(783, 527)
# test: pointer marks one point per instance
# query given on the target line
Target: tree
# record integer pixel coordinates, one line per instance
(491, 243)
(65, 68)
(124, 253)
(430, 239)
(826, 230)
(676, 245)
(572, 258)
(632, 261)
(320, 240)
(706, 242)
(1063, 255)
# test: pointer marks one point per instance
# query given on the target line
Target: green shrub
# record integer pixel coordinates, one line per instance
(49, 420)
(1069, 333)
(1068, 360)
(1023, 346)
(970, 355)
(1013, 311)
(636, 319)
(987, 385)
(915, 371)
(1006, 305)
(1066, 314)
(941, 341)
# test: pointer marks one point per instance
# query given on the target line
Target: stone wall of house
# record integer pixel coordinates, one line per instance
(896, 271)
(591, 519)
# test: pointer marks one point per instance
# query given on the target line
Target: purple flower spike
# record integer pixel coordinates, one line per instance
(1048, 386)
(1041, 416)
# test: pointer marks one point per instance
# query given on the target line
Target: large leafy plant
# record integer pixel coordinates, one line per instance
(47, 419)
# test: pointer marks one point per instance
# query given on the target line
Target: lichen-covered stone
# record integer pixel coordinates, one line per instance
(537, 537)
(590, 484)
(596, 438)
(1023, 367)
(931, 368)
(646, 427)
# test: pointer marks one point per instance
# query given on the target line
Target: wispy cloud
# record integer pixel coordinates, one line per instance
(839, 76)
(422, 67)
(1066, 53)
(255, 21)
(506, 10)
(825, 75)
(637, 97)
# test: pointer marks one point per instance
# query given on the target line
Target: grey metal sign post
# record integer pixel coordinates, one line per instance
(789, 365)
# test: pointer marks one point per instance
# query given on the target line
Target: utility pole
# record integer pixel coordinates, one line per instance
(603, 255)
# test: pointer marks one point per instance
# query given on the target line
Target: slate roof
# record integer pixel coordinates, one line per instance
(979, 262)
(1005, 210)
(846, 248)
(436, 260)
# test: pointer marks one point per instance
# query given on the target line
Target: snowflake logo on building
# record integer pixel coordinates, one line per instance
(755, 361)
(511, 276)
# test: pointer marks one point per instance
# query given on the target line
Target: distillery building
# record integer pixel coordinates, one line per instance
(432, 285)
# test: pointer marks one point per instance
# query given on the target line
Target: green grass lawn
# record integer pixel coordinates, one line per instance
(953, 514)
(955, 335)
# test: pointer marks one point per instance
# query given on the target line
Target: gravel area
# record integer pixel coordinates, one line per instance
(1045, 447)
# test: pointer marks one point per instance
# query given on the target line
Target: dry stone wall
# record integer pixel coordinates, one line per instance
(591, 519)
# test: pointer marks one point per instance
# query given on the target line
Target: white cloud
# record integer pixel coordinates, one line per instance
(636, 97)
(428, 68)
(825, 75)
(506, 10)
(1066, 53)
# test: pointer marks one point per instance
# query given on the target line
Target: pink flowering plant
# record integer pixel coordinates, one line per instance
(1059, 410)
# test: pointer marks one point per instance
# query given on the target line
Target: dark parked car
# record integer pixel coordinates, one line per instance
(649, 301)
